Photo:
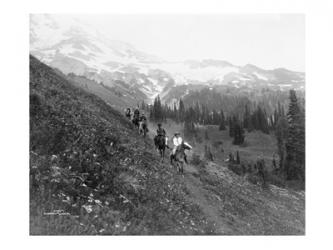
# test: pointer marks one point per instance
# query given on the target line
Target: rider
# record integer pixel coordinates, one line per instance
(177, 141)
(160, 132)
(128, 113)
(143, 118)
(136, 115)
(143, 121)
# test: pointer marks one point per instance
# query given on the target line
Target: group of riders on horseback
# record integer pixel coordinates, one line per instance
(178, 155)
(139, 120)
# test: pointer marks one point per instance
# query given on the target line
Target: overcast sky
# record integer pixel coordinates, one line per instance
(266, 40)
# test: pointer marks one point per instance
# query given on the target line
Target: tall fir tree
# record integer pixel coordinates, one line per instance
(231, 126)
(281, 134)
(295, 146)
(222, 121)
(239, 133)
(247, 119)
(181, 110)
(237, 158)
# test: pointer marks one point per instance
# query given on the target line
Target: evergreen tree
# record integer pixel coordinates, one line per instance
(231, 158)
(295, 146)
(275, 118)
(157, 112)
(215, 118)
(262, 120)
(237, 158)
(247, 119)
(231, 127)
(197, 112)
(238, 134)
(281, 134)
(181, 110)
(259, 120)
(222, 121)
(175, 113)
(271, 122)
(205, 115)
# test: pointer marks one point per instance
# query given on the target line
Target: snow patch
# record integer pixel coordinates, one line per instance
(259, 76)
(183, 73)
(141, 80)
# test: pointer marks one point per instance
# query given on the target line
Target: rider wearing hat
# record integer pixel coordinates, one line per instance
(137, 113)
(128, 113)
(143, 117)
(160, 132)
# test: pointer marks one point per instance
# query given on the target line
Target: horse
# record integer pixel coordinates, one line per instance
(180, 157)
(161, 143)
(143, 128)
(128, 116)
(136, 121)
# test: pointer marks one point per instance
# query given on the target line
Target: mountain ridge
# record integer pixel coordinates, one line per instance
(74, 47)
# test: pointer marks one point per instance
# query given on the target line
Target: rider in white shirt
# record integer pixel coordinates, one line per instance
(177, 140)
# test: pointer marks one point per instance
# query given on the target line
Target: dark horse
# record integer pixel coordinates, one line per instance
(160, 144)
(128, 115)
(136, 121)
(179, 158)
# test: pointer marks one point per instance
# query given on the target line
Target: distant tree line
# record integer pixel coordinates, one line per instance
(288, 128)
(198, 114)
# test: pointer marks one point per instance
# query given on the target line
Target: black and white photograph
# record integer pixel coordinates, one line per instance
(179, 124)
(171, 124)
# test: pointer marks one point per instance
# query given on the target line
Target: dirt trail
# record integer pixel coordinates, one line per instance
(197, 194)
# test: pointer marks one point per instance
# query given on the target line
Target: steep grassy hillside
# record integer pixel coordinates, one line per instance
(111, 96)
(91, 174)
(239, 207)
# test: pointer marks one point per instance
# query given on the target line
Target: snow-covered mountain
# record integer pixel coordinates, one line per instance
(73, 46)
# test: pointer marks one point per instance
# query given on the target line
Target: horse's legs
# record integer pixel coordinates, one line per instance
(185, 158)
(180, 167)
(162, 154)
